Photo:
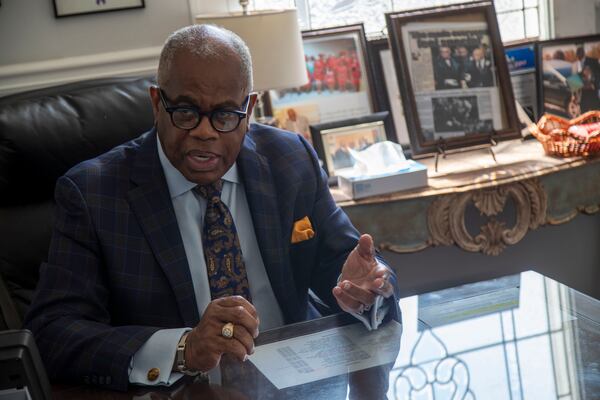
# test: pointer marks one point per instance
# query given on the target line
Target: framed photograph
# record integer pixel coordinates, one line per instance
(67, 8)
(521, 59)
(386, 88)
(340, 82)
(569, 76)
(332, 140)
(453, 77)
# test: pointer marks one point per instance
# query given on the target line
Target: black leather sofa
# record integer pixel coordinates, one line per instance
(43, 133)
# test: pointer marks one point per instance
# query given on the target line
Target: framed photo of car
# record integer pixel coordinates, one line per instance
(334, 140)
(569, 76)
(521, 59)
(340, 82)
(386, 89)
(453, 77)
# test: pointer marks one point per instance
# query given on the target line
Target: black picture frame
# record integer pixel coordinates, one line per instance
(331, 136)
(523, 74)
(314, 102)
(382, 83)
(561, 93)
(450, 119)
(62, 11)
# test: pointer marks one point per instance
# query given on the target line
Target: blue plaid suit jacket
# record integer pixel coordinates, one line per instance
(117, 270)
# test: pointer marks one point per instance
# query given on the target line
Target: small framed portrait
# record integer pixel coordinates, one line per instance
(569, 76)
(521, 59)
(386, 89)
(67, 8)
(333, 140)
(339, 81)
(453, 77)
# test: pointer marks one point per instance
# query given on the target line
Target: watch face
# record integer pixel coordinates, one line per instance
(180, 365)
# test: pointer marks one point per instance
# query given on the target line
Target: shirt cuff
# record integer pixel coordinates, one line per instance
(372, 318)
(152, 364)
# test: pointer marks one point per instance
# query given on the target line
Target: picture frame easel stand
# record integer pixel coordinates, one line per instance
(443, 151)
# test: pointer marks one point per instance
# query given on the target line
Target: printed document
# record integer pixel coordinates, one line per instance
(328, 353)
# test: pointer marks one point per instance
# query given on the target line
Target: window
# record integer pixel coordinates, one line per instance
(518, 19)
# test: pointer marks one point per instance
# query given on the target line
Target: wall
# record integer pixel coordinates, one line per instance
(575, 17)
(37, 49)
(30, 32)
(214, 6)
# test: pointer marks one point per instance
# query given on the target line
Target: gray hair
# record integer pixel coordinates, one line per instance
(204, 41)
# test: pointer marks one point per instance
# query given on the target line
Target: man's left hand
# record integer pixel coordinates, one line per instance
(363, 278)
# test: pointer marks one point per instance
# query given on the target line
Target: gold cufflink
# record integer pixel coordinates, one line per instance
(153, 374)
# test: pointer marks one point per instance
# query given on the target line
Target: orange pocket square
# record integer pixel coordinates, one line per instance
(302, 230)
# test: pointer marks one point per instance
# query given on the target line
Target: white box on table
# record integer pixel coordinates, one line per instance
(358, 187)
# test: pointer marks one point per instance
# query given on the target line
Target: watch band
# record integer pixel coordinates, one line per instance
(180, 358)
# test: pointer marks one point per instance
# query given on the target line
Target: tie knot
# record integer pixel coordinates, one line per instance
(211, 192)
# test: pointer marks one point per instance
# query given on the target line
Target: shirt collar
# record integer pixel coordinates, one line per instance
(177, 183)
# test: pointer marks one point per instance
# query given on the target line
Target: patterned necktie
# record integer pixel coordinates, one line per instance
(222, 251)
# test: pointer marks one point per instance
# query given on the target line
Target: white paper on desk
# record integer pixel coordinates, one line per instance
(328, 353)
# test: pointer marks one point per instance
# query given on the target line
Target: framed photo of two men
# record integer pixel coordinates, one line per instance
(569, 76)
(453, 77)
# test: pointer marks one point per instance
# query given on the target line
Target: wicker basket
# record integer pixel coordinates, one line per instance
(552, 132)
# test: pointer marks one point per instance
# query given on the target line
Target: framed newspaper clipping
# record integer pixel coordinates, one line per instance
(339, 81)
(453, 77)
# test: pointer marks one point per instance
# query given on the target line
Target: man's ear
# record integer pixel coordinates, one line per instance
(155, 100)
(251, 103)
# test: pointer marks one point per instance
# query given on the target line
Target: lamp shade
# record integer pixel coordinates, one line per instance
(275, 44)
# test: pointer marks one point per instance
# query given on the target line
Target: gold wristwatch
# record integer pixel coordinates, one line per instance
(180, 358)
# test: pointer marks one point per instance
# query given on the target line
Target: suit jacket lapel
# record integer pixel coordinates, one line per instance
(262, 200)
(151, 203)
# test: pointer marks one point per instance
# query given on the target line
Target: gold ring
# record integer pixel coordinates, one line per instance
(227, 330)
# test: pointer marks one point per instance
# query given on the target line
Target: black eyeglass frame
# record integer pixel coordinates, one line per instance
(171, 109)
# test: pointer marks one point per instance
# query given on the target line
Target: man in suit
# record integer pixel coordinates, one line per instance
(175, 249)
(583, 61)
(588, 69)
(461, 56)
(479, 70)
(446, 70)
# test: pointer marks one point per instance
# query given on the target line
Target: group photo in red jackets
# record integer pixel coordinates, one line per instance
(332, 66)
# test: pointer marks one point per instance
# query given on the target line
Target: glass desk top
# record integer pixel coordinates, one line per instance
(522, 336)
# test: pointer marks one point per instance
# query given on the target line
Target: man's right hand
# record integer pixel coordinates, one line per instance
(205, 345)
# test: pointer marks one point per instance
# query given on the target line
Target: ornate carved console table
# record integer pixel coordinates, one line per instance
(479, 205)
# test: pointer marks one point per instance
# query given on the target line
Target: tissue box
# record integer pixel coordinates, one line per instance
(358, 187)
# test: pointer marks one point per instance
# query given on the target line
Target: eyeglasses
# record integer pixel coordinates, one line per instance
(189, 117)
